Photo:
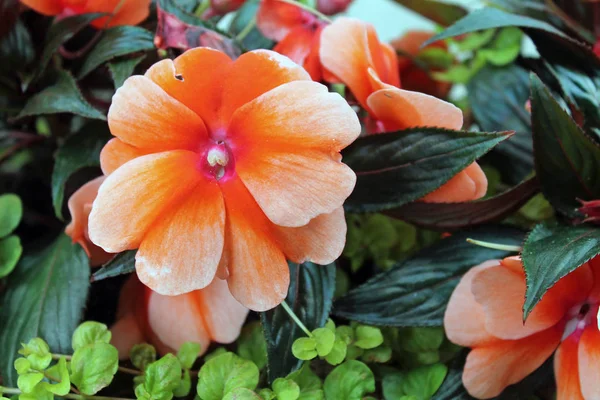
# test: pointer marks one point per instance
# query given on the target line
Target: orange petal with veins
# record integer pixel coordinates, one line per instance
(116, 153)
(469, 184)
(566, 371)
(589, 361)
(46, 7)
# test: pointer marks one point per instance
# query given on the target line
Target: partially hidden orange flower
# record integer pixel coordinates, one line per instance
(80, 206)
(331, 7)
(352, 52)
(124, 12)
(297, 32)
(412, 76)
(167, 322)
(485, 313)
(225, 168)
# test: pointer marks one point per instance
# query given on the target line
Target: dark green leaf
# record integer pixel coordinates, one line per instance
(497, 97)
(116, 42)
(120, 70)
(490, 18)
(58, 34)
(551, 252)
(439, 12)
(123, 263)
(396, 168)
(45, 297)
(451, 216)
(310, 296)
(255, 39)
(416, 291)
(9, 12)
(567, 161)
(62, 97)
(79, 150)
(16, 48)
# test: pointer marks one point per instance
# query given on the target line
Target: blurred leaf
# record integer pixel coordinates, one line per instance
(255, 39)
(188, 353)
(16, 48)
(120, 70)
(421, 383)
(9, 12)
(116, 42)
(551, 252)
(93, 367)
(222, 374)
(252, 346)
(11, 212)
(10, 253)
(59, 33)
(310, 296)
(367, 337)
(62, 97)
(475, 40)
(142, 355)
(79, 150)
(452, 216)
(349, 381)
(52, 285)
(37, 353)
(396, 168)
(416, 291)
(311, 387)
(123, 263)
(567, 161)
(439, 12)
(286, 389)
(505, 48)
(497, 97)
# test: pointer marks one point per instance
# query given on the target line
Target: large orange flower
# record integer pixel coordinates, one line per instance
(297, 32)
(485, 313)
(412, 76)
(351, 51)
(228, 168)
(167, 322)
(124, 12)
(80, 206)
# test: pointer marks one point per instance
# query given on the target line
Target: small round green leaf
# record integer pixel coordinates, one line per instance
(349, 381)
(11, 212)
(10, 253)
(37, 353)
(266, 394)
(337, 355)
(241, 394)
(90, 332)
(286, 389)
(93, 367)
(185, 385)
(29, 380)
(59, 374)
(141, 355)
(221, 375)
(188, 353)
(161, 379)
(421, 383)
(368, 337)
(22, 365)
(324, 338)
(305, 348)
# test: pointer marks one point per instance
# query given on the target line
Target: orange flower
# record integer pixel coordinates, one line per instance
(485, 313)
(225, 167)
(222, 7)
(331, 7)
(297, 31)
(80, 206)
(351, 50)
(412, 76)
(167, 322)
(124, 12)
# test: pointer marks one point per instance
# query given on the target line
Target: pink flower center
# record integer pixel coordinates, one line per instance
(217, 161)
(580, 317)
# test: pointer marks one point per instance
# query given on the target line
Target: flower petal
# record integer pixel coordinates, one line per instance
(145, 116)
(175, 320)
(258, 272)
(301, 45)
(321, 241)
(116, 153)
(257, 72)
(195, 78)
(566, 370)
(490, 369)
(464, 319)
(400, 109)
(469, 184)
(183, 249)
(125, 12)
(223, 315)
(501, 292)
(126, 333)
(589, 360)
(135, 195)
(276, 19)
(46, 7)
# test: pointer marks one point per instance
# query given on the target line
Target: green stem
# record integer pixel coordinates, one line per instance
(295, 318)
(59, 356)
(130, 371)
(311, 10)
(247, 29)
(495, 246)
(203, 6)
